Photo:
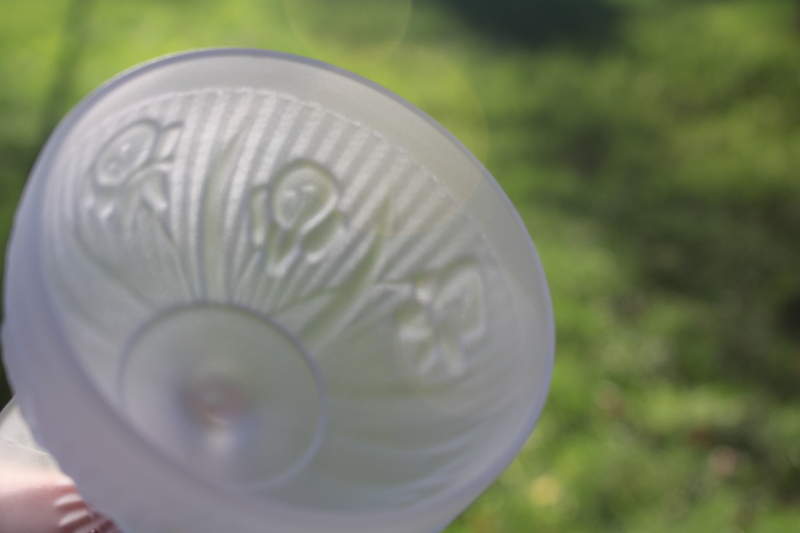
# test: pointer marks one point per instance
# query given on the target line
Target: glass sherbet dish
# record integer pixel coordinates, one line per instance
(248, 291)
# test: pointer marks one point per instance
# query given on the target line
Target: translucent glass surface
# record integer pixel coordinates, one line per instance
(277, 289)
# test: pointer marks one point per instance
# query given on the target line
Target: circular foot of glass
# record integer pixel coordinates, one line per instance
(224, 391)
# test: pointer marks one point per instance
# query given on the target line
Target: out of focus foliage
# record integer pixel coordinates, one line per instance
(653, 149)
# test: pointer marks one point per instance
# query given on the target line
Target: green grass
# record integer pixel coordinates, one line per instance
(656, 167)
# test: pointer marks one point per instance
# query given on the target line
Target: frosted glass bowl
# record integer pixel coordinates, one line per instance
(247, 291)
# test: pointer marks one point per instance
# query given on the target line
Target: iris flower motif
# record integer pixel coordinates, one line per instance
(301, 204)
(131, 171)
(444, 315)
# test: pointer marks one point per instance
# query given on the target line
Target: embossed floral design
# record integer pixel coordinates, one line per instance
(131, 172)
(301, 203)
(331, 233)
(443, 316)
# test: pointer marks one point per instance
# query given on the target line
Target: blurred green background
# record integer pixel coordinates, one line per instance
(651, 146)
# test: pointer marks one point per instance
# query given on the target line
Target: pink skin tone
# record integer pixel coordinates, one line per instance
(40, 501)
